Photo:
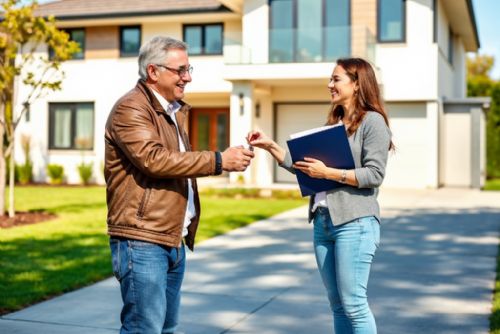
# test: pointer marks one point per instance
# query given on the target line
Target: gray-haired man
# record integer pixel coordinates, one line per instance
(150, 172)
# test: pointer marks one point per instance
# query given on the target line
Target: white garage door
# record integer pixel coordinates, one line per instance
(409, 164)
(291, 118)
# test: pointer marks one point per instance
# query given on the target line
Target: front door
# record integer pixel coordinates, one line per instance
(209, 129)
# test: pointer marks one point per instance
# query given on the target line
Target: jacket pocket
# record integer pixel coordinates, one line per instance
(144, 202)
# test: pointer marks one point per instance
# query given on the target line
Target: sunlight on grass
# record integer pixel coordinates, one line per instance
(46, 259)
(492, 184)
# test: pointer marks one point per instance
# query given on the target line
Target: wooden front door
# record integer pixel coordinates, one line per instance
(209, 129)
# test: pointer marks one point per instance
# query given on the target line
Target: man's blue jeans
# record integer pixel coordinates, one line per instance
(150, 277)
(344, 255)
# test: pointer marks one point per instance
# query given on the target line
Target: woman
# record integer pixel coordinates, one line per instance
(346, 219)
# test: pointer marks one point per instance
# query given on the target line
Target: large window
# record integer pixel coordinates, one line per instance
(204, 39)
(391, 20)
(309, 30)
(77, 35)
(130, 41)
(71, 126)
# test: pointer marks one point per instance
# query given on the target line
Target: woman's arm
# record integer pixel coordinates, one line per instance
(260, 140)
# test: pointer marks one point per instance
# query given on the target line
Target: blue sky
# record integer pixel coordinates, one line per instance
(488, 24)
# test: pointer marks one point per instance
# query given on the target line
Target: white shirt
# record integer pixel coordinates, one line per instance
(172, 109)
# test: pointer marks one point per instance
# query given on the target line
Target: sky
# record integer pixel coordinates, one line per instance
(488, 25)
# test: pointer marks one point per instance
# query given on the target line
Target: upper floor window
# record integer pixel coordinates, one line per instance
(71, 126)
(451, 45)
(77, 35)
(391, 20)
(309, 30)
(204, 39)
(130, 41)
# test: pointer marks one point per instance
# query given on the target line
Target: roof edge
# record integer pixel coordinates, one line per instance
(221, 9)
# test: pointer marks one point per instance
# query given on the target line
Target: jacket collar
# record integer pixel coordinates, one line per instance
(141, 85)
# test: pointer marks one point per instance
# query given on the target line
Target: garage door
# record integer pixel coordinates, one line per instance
(408, 166)
(291, 118)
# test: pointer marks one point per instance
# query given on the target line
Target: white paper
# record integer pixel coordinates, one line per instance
(314, 130)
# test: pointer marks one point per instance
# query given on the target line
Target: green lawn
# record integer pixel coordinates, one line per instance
(492, 184)
(43, 260)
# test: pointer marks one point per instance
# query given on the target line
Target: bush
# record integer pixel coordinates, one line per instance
(56, 173)
(85, 170)
(24, 173)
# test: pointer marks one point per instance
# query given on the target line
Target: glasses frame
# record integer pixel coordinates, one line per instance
(180, 71)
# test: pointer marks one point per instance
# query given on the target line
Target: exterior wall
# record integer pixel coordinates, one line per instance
(415, 78)
(256, 40)
(451, 76)
(102, 42)
(364, 23)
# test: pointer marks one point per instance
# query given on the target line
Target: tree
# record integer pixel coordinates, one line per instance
(479, 83)
(22, 34)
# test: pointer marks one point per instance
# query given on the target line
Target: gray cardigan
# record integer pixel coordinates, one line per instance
(370, 148)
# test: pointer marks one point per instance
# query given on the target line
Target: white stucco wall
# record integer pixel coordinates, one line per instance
(409, 70)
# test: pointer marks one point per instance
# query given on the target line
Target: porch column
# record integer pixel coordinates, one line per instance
(240, 123)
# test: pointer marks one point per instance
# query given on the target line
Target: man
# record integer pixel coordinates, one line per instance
(152, 198)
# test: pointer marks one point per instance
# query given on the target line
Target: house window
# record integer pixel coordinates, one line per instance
(309, 30)
(451, 46)
(204, 39)
(77, 35)
(391, 21)
(71, 126)
(130, 41)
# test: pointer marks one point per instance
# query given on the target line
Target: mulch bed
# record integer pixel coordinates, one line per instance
(25, 218)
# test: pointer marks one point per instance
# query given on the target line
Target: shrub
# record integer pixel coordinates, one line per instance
(56, 173)
(85, 170)
(24, 172)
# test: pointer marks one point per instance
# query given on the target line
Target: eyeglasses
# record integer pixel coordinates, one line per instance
(181, 71)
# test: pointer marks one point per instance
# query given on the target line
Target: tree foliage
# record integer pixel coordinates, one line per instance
(480, 83)
(22, 36)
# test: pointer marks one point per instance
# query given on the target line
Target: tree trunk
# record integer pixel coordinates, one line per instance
(12, 162)
(2, 161)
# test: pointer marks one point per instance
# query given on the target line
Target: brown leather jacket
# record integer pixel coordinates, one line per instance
(146, 175)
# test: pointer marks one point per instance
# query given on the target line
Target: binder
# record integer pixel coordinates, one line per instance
(328, 144)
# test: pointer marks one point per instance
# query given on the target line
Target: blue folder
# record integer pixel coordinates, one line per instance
(330, 146)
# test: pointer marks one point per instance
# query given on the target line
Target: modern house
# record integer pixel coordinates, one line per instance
(265, 64)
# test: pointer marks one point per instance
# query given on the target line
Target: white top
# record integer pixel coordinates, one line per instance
(171, 109)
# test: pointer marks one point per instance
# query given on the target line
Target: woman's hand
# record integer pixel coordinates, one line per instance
(312, 167)
(260, 140)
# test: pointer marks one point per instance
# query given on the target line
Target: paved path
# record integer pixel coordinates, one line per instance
(434, 273)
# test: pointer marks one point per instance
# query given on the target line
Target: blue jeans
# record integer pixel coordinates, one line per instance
(344, 255)
(150, 277)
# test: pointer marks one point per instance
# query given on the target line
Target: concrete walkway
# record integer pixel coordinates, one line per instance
(434, 273)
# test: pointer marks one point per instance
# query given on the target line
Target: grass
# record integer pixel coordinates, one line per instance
(492, 184)
(46, 259)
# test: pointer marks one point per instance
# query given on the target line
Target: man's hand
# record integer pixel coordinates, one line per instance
(236, 159)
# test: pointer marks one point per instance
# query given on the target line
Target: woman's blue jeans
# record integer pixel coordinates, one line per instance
(344, 256)
(150, 277)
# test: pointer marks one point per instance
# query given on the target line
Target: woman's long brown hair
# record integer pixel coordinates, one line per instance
(366, 98)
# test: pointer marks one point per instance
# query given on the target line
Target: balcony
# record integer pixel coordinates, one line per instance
(302, 46)
(281, 56)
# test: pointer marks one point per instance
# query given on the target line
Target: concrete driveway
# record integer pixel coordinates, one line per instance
(434, 273)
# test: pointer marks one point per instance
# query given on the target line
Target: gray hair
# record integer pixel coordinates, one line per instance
(155, 51)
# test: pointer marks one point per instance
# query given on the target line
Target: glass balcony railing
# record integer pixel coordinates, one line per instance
(304, 46)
